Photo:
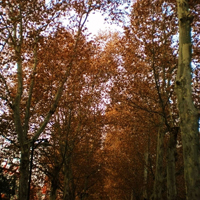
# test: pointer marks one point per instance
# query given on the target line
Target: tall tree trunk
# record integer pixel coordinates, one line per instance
(159, 178)
(69, 189)
(55, 181)
(24, 172)
(146, 170)
(54, 186)
(187, 111)
(171, 167)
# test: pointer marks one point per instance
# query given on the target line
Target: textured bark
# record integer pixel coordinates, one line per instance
(22, 135)
(159, 179)
(171, 167)
(24, 173)
(187, 111)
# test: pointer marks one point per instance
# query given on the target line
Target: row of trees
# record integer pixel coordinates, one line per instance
(112, 117)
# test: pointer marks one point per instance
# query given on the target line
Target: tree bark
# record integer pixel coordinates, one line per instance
(146, 170)
(171, 167)
(159, 179)
(187, 111)
(55, 181)
(69, 189)
(24, 172)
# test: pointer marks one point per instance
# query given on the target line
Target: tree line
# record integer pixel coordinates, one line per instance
(113, 116)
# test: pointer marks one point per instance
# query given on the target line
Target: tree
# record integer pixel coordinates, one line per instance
(100, 103)
(28, 28)
(145, 81)
(24, 26)
(124, 146)
(155, 49)
(71, 161)
(188, 113)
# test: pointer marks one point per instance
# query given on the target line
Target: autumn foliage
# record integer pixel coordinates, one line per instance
(96, 116)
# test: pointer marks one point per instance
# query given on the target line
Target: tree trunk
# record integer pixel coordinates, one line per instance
(146, 170)
(69, 189)
(159, 179)
(55, 182)
(53, 192)
(187, 112)
(171, 167)
(24, 172)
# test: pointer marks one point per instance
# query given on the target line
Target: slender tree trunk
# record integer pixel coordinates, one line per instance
(66, 182)
(159, 179)
(187, 112)
(55, 182)
(171, 167)
(146, 170)
(53, 192)
(24, 173)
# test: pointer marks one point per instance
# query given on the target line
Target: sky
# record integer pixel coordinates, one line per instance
(96, 23)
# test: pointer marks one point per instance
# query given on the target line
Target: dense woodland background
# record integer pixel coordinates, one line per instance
(96, 117)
